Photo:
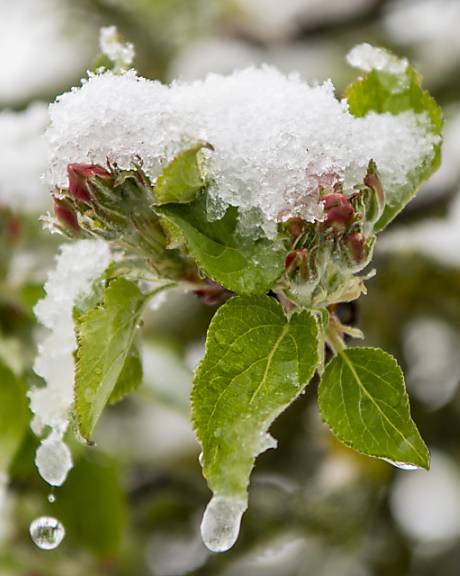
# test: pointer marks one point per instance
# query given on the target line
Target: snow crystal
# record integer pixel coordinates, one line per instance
(366, 57)
(23, 158)
(121, 53)
(276, 138)
(78, 265)
(221, 522)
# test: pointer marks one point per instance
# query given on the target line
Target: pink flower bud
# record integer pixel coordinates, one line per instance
(338, 210)
(79, 178)
(65, 215)
(297, 261)
(373, 182)
(356, 243)
(295, 227)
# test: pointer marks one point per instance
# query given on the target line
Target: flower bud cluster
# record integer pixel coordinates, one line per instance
(115, 205)
(326, 255)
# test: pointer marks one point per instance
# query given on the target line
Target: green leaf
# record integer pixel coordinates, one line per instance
(14, 415)
(182, 178)
(92, 506)
(130, 377)
(363, 400)
(256, 363)
(105, 337)
(244, 266)
(381, 91)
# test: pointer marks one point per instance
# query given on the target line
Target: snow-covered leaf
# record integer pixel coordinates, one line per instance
(392, 86)
(245, 266)
(182, 179)
(256, 363)
(363, 400)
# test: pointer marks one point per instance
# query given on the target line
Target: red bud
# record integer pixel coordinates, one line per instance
(356, 244)
(339, 212)
(79, 176)
(297, 260)
(65, 215)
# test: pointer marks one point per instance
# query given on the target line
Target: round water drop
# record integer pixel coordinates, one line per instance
(47, 532)
(51, 498)
(201, 459)
(221, 522)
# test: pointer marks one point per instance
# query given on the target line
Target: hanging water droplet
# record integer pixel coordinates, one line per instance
(51, 498)
(47, 532)
(201, 459)
(221, 522)
(402, 465)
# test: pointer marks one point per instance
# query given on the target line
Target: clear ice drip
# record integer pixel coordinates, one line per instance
(221, 522)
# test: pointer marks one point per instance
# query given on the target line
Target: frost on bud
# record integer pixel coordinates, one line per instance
(80, 176)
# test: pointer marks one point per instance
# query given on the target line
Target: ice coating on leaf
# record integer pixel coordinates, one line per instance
(121, 53)
(221, 521)
(23, 154)
(276, 138)
(366, 57)
(77, 266)
(53, 460)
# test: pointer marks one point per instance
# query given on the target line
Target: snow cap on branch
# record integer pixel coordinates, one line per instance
(276, 138)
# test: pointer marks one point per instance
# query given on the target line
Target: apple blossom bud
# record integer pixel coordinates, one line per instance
(356, 244)
(338, 211)
(297, 262)
(65, 215)
(79, 179)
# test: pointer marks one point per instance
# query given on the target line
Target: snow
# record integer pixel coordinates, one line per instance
(77, 266)
(366, 57)
(121, 53)
(276, 138)
(23, 158)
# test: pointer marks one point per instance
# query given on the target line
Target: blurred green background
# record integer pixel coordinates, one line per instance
(132, 504)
